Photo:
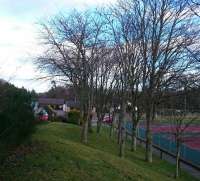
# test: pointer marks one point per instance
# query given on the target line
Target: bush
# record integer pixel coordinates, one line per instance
(16, 116)
(74, 116)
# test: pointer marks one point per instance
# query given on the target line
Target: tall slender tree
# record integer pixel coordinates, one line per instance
(73, 43)
(166, 34)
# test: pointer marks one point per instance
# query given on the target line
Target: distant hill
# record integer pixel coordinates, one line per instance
(2, 81)
(60, 92)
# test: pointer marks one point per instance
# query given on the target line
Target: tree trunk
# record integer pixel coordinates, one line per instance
(84, 133)
(177, 174)
(148, 155)
(149, 146)
(111, 125)
(111, 129)
(119, 131)
(99, 122)
(122, 131)
(90, 124)
(134, 139)
(98, 126)
(134, 131)
(122, 143)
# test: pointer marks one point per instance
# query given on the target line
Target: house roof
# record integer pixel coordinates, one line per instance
(51, 101)
(73, 104)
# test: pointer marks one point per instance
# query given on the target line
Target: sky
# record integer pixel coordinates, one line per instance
(19, 37)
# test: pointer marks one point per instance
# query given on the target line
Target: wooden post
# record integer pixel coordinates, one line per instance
(161, 154)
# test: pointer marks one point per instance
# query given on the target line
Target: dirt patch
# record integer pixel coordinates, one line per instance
(18, 155)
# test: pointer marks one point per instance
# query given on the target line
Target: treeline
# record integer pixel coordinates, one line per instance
(59, 92)
(132, 52)
(16, 116)
(183, 100)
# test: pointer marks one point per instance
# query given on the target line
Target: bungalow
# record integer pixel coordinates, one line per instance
(51, 101)
(55, 107)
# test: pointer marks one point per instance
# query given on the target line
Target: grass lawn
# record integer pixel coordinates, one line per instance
(57, 154)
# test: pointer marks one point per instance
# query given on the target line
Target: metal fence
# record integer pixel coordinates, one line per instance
(163, 141)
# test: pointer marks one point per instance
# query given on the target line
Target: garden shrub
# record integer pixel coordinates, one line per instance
(16, 116)
(73, 116)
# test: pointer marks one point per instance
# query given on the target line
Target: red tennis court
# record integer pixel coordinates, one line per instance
(169, 128)
(191, 138)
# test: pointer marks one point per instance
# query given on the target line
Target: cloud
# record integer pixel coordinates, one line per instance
(19, 36)
(18, 45)
(30, 8)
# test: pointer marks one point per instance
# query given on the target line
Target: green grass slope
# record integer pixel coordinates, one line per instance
(57, 154)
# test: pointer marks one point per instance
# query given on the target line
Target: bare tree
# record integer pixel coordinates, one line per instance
(72, 44)
(132, 57)
(124, 39)
(116, 25)
(137, 47)
(180, 122)
(181, 118)
(104, 83)
(194, 6)
(164, 38)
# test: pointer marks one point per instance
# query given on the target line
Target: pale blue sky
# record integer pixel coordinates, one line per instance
(19, 36)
